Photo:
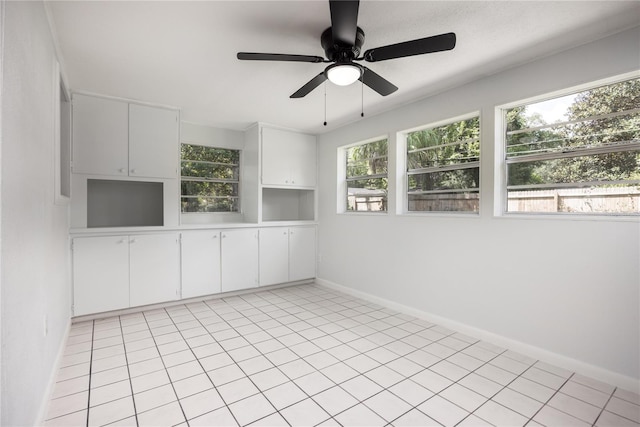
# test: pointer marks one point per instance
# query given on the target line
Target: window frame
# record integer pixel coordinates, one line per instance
(342, 187)
(237, 182)
(501, 191)
(403, 174)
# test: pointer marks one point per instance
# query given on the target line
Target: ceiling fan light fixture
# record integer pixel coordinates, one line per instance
(343, 74)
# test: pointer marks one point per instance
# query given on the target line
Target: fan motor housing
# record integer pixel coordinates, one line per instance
(341, 53)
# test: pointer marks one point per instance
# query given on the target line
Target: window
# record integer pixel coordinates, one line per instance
(210, 179)
(577, 153)
(366, 176)
(443, 167)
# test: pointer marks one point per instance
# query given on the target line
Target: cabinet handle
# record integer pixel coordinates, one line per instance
(122, 170)
(132, 241)
(120, 241)
(224, 236)
(134, 170)
(284, 232)
(215, 236)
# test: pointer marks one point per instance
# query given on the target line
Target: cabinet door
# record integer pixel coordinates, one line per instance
(100, 136)
(100, 274)
(153, 142)
(303, 161)
(154, 268)
(239, 259)
(276, 160)
(302, 253)
(200, 263)
(274, 255)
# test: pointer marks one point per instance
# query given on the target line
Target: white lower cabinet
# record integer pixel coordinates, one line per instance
(274, 255)
(287, 254)
(100, 274)
(239, 259)
(116, 272)
(302, 253)
(154, 269)
(200, 263)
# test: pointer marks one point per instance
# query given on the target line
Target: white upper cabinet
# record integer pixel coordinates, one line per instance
(112, 137)
(200, 263)
(153, 142)
(100, 136)
(288, 158)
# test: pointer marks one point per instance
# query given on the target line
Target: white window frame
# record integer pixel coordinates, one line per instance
(342, 187)
(62, 146)
(403, 176)
(500, 161)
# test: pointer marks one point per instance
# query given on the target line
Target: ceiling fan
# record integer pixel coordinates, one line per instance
(342, 43)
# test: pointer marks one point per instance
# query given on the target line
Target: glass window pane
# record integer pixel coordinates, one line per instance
(209, 170)
(209, 163)
(367, 195)
(599, 167)
(445, 202)
(209, 204)
(445, 180)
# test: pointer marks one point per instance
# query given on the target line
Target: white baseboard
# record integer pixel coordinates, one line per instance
(568, 363)
(44, 406)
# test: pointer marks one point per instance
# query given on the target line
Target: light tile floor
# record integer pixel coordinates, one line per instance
(308, 355)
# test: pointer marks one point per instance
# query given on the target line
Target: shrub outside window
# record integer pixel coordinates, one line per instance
(366, 177)
(443, 168)
(210, 179)
(578, 153)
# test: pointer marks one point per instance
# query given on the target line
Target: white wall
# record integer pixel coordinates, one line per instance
(34, 243)
(567, 287)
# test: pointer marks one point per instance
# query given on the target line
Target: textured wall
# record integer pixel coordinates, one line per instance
(34, 242)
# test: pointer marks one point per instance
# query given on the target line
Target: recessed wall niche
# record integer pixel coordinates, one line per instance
(116, 203)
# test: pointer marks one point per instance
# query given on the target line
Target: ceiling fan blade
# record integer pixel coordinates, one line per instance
(249, 56)
(344, 21)
(376, 82)
(310, 85)
(414, 47)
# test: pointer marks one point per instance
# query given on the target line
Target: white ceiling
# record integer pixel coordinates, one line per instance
(183, 53)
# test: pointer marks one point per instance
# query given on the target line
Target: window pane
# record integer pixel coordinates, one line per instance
(603, 199)
(363, 161)
(367, 195)
(209, 154)
(209, 170)
(599, 167)
(202, 188)
(576, 153)
(446, 180)
(444, 145)
(445, 202)
(367, 159)
(444, 158)
(209, 204)
(200, 167)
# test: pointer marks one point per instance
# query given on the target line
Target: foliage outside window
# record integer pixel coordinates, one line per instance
(577, 153)
(366, 177)
(210, 179)
(443, 168)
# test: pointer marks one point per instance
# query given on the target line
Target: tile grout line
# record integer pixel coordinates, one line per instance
(604, 406)
(126, 360)
(93, 327)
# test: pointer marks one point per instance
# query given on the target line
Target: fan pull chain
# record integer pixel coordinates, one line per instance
(325, 103)
(362, 96)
